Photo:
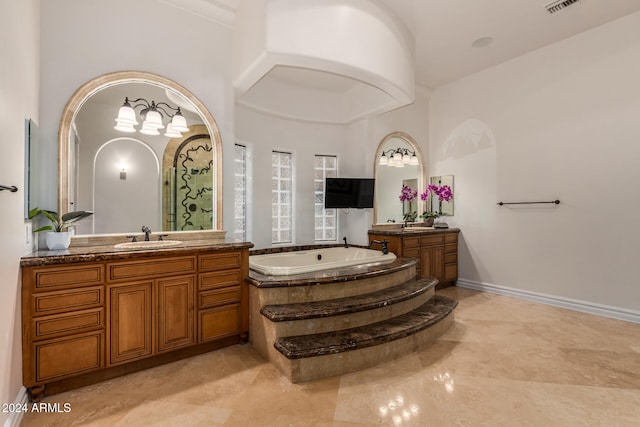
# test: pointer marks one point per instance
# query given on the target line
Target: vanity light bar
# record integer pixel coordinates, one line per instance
(398, 157)
(151, 113)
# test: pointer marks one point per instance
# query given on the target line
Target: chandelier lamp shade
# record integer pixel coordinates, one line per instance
(152, 115)
(398, 157)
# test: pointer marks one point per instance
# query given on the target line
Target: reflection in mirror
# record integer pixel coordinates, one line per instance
(167, 178)
(31, 141)
(410, 207)
(391, 178)
(443, 208)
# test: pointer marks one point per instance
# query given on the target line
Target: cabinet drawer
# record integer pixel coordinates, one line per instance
(132, 270)
(60, 301)
(220, 279)
(218, 322)
(65, 324)
(410, 242)
(221, 261)
(438, 239)
(451, 248)
(450, 258)
(450, 272)
(51, 278)
(411, 253)
(65, 357)
(451, 238)
(219, 297)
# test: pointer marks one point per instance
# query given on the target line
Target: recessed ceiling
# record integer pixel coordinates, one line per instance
(445, 30)
(312, 79)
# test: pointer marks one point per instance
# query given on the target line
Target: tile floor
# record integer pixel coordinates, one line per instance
(505, 362)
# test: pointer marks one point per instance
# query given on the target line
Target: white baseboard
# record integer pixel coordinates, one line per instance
(15, 417)
(571, 304)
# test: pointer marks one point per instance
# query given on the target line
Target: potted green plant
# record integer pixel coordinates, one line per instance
(58, 237)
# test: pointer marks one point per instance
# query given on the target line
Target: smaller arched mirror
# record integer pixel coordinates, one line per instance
(168, 178)
(391, 177)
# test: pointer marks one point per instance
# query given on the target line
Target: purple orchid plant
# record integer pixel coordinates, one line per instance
(444, 194)
(408, 194)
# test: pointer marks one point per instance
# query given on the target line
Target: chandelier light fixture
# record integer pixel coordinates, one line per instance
(152, 115)
(398, 157)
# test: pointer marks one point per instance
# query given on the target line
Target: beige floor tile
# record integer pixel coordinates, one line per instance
(505, 362)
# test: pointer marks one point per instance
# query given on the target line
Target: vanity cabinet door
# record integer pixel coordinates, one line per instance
(432, 262)
(130, 322)
(176, 316)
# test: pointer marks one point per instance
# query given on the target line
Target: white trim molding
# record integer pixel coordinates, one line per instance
(15, 417)
(556, 301)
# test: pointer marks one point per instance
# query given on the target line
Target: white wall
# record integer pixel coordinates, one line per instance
(262, 134)
(561, 123)
(18, 100)
(354, 144)
(124, 205)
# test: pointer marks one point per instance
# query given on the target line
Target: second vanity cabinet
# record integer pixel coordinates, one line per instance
(87, 321)
(436, 251)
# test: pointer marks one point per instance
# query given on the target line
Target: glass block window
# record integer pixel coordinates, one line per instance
(281, 197)
(240, 192)
(326, 220)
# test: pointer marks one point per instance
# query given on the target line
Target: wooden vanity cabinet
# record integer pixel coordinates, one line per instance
(436, 252)
(63, 328)
(94, 321)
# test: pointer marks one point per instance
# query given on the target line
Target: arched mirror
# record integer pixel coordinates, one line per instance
(135, 170)
(391, 177)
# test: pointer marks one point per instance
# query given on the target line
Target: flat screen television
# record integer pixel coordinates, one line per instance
(348, 193)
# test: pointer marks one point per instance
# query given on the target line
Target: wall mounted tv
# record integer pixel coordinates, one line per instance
(349, 193)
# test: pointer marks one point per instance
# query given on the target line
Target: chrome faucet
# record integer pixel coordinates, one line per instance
(384, 244)
(346, 245)
(147, 232)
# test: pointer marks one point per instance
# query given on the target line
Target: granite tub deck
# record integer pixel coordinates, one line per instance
(328, 323)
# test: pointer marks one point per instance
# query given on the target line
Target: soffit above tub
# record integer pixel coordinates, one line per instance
(310, 95)
(326, 61)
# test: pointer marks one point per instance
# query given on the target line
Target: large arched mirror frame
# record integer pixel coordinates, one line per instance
(422, 176)
(84, 92)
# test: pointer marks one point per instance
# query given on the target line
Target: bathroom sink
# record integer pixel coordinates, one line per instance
(155, 244)
(409, 229)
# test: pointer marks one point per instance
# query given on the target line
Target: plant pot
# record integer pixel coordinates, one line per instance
(58, 240)
(429, 222)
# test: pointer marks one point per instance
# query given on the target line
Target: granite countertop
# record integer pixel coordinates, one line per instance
(408, 231)
(109, 252)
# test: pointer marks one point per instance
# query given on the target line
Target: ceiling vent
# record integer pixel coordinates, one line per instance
(557, 6)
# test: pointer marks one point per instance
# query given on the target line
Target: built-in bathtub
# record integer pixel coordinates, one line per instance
(307, 261)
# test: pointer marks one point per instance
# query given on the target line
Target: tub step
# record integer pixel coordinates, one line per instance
(413, 322)
(340, 306)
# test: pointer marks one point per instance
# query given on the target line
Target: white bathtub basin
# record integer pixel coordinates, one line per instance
(297, 262)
